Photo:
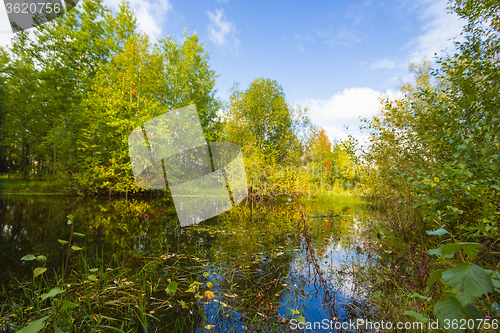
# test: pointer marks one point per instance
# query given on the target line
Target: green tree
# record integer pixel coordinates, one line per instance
(46, 79)
(261, 121)
(188, 79)
(437, 147)
(137, 84)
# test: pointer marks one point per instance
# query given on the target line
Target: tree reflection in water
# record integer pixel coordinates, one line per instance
(252, 261)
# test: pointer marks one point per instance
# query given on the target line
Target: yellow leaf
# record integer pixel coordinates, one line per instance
(38, 271)
(209, 294)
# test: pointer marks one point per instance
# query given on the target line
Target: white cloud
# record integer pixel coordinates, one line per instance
(438, 30)
(304, 37)
(149, 14)
(222, 32)
(345, 37)
(383, 64)
(438, 27)
(345, 108)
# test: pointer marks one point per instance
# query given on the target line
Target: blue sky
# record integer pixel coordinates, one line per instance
(335, 57)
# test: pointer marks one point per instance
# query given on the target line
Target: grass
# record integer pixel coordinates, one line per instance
(125, 300)
(18, 186)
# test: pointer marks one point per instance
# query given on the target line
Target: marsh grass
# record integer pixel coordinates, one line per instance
(236, 274)
(400, 267)
(135, 300)
(236, 290)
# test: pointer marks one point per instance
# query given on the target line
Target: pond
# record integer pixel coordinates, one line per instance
(134, 268)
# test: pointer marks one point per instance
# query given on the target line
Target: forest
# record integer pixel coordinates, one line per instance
(425, 190)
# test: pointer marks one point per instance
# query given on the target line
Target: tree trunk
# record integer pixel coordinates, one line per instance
(26, 160)
(54, 159)
(8, 165)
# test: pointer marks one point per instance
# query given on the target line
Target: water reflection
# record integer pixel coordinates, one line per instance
(251, 256)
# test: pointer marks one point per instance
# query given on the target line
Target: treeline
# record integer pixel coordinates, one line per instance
(71, 95)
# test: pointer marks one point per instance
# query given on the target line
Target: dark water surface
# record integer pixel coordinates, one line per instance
(253, 254)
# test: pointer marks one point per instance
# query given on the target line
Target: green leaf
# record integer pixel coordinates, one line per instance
(495, 279)
(206, 274)
(415, 294)
(183, 304)
(469, 248)
(496, 308)
(301, 319)
(70, 219)
(440, 231)
(53, 292)
(418, 316)
(376, 294)
(76, 248)
(66, 305)
(434, 277)
(57, 329)
(38, 271)
(172, 288)
(62, 241)
(439, 253)
(448, 307)
(93, 270)
(92, 278)
(78, 234)
(41, 258)
(196, 283)
(435, 251)
(28, 257)
(468, 282)
(473, 312)
(193, 287)
(35, 326)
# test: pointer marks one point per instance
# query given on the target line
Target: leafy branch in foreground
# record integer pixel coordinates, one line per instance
(463, 285)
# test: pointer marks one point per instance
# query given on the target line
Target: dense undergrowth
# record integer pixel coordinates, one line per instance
(435, 155)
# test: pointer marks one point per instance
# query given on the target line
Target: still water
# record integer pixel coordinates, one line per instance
(252, 257)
